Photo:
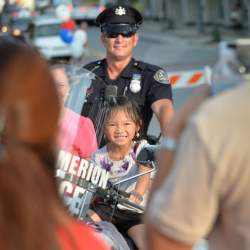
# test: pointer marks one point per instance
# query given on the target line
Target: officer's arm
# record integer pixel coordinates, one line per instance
(164, 111)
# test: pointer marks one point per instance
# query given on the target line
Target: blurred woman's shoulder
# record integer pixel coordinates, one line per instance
(79, 236)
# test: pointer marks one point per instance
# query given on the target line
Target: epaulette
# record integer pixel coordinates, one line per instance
(153, 67)
(146, 66)
(141, 65)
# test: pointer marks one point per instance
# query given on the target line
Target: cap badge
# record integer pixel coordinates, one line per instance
(121, 11)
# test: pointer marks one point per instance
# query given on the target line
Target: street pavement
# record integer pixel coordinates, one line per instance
(176, 51)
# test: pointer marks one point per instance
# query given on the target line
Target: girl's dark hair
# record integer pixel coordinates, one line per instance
(131, 109)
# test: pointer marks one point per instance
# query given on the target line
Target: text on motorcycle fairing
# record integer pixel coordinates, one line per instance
(69, 163)
(79, 167)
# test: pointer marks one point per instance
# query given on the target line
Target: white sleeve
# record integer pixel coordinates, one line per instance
(186, 205)
(142, 143)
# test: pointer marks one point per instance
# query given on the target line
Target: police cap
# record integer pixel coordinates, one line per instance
(119, 18)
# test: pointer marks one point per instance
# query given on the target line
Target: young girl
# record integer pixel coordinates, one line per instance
(123, 127)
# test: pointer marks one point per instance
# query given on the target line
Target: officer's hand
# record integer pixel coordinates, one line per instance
(178, 121)
(135, 196)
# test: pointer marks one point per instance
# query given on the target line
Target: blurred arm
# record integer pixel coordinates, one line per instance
(174, 129)
(164, 163)
(156, 240)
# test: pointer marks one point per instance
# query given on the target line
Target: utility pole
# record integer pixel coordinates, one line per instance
(200, 16)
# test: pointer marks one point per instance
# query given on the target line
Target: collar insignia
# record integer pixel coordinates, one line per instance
(121, 11)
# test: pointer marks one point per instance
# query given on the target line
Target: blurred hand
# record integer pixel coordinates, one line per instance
(177, 123)
(135, 196)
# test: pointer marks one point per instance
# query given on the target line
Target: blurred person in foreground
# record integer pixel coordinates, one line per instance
(203, 190)
(31, 213)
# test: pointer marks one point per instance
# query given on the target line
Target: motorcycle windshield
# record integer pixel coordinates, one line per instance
(88, 109)
(83, 109)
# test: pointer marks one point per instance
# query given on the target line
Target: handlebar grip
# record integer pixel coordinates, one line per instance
(124, 194)
(133, 204)
(103, 193)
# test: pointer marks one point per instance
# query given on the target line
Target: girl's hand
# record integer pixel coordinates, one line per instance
(136, 197)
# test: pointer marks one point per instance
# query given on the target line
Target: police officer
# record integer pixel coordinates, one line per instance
(147, 84)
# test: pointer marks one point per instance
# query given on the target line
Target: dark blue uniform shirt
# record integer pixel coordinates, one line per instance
(153, 80)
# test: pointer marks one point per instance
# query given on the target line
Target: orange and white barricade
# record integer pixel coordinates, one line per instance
(180, 79)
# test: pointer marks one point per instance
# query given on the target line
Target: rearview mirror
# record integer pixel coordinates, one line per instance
(147, 155)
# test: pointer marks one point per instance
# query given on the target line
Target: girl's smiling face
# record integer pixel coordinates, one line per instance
(120, 128)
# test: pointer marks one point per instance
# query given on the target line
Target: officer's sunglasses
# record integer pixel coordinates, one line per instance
(110, 34)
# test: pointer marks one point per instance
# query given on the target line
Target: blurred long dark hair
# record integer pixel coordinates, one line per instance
(30, 208)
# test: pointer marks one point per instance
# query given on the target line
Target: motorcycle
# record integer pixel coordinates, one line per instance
(84, 100)
(111, 195)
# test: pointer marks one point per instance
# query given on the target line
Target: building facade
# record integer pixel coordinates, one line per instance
(185, 12)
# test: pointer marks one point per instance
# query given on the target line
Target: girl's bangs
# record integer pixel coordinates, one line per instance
(128, 111)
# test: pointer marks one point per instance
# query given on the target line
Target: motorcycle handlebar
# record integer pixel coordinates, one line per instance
(104, 193)
(122, 200)
(131, 203)
(124, 194)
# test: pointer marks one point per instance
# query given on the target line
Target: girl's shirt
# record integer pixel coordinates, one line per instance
(120, 170)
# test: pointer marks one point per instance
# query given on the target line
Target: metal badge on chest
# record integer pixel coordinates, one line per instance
(135, 83)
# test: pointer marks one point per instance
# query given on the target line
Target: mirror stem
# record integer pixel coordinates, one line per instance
(136, 176)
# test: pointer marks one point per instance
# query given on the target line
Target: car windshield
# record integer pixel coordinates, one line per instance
(49, 30)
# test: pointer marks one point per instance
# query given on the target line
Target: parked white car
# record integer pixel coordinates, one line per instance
(44, 34)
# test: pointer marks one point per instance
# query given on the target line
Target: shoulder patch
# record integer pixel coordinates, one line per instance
(161, 76)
